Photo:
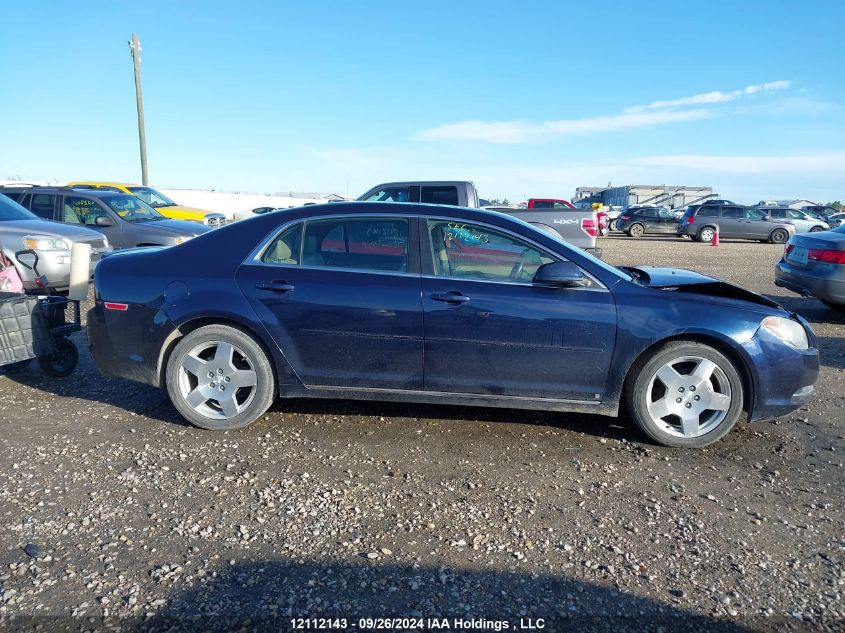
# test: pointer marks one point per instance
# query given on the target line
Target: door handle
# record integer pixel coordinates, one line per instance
(275, 286)
(453, 297)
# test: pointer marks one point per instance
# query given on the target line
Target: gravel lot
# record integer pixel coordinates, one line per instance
(355, 510)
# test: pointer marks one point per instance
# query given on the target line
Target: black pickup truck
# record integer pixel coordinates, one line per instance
(578, 227)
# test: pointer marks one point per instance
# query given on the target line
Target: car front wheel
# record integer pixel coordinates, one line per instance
(686, 395)
(220, 378)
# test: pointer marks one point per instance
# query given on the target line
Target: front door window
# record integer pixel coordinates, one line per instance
(471, 251)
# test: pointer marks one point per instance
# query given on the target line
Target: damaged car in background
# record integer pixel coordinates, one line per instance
(436, 304)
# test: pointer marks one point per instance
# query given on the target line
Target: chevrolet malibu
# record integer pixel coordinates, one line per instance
(446, 305)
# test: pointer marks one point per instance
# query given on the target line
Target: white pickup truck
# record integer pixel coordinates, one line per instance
(578, 227)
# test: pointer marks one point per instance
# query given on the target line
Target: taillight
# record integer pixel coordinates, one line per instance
(120, 307)
(626, 217)
(826, 256)
(787, 249)
(691, 219)
(588, 225)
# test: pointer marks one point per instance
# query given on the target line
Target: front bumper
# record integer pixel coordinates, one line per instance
(783, 376)
(823, 281)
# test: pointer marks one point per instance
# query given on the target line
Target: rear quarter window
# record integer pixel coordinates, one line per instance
(439, 195)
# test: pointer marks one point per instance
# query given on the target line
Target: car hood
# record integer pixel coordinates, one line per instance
(688, 281)
(174, 227)
(46, 227)
(179, 207)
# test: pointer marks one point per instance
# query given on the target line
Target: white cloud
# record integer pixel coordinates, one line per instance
(654, 113)
(510, 132)
(713, 97)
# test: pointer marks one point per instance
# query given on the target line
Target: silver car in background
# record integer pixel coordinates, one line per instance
(813, 265)
(51, 241)
(801, 220)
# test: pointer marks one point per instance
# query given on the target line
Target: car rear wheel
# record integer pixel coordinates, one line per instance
(636, 230)
(686, 395)
(706, 234)
(220, 378)
(778, 236)
(613, 226)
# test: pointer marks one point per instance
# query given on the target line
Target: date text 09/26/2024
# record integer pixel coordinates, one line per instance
(415, 624)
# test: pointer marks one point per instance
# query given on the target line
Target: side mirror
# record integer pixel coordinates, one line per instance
(561, 275)
(767, 218)
(103, 220)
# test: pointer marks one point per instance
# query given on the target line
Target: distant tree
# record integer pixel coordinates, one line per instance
(837, 205)
(502, 201)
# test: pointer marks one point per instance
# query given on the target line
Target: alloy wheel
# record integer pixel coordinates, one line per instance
(217, 380)
(688, 396)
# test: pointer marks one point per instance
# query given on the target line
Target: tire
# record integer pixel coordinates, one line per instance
(816, 229)
(636, 230)
(778, 236)
(208, 361)
(706, 234)
(62, 361)
(613, 226)
(669, 375)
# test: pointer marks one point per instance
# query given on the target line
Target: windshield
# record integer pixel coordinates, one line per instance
(11, 210)
(132, 209)
(152, 197)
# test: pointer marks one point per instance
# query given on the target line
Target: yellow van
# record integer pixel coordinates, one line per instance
(158, 201)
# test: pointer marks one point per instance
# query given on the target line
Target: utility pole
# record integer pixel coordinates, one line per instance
(135, 46)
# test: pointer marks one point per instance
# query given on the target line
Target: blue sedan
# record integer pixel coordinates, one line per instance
(446, 305)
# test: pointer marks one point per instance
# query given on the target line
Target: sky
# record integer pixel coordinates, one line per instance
(525, 98)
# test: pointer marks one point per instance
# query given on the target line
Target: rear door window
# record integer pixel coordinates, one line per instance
(708, 212)
(733, 212)
(43, 205)
(367, 244)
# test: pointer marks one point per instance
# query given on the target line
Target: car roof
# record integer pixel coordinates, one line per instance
(103, 183)
(394, 208)
(78, 192)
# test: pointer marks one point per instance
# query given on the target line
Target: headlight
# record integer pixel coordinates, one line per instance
(45, 243)
(790, 332)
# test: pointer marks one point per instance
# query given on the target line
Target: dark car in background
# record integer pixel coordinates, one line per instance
(639, 221)
(734, 221)
(446, 305)
(125, 220)
(813, 265)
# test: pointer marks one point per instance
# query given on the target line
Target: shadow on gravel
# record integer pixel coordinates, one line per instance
(267, 595)
(811, 309)
(597, 425)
